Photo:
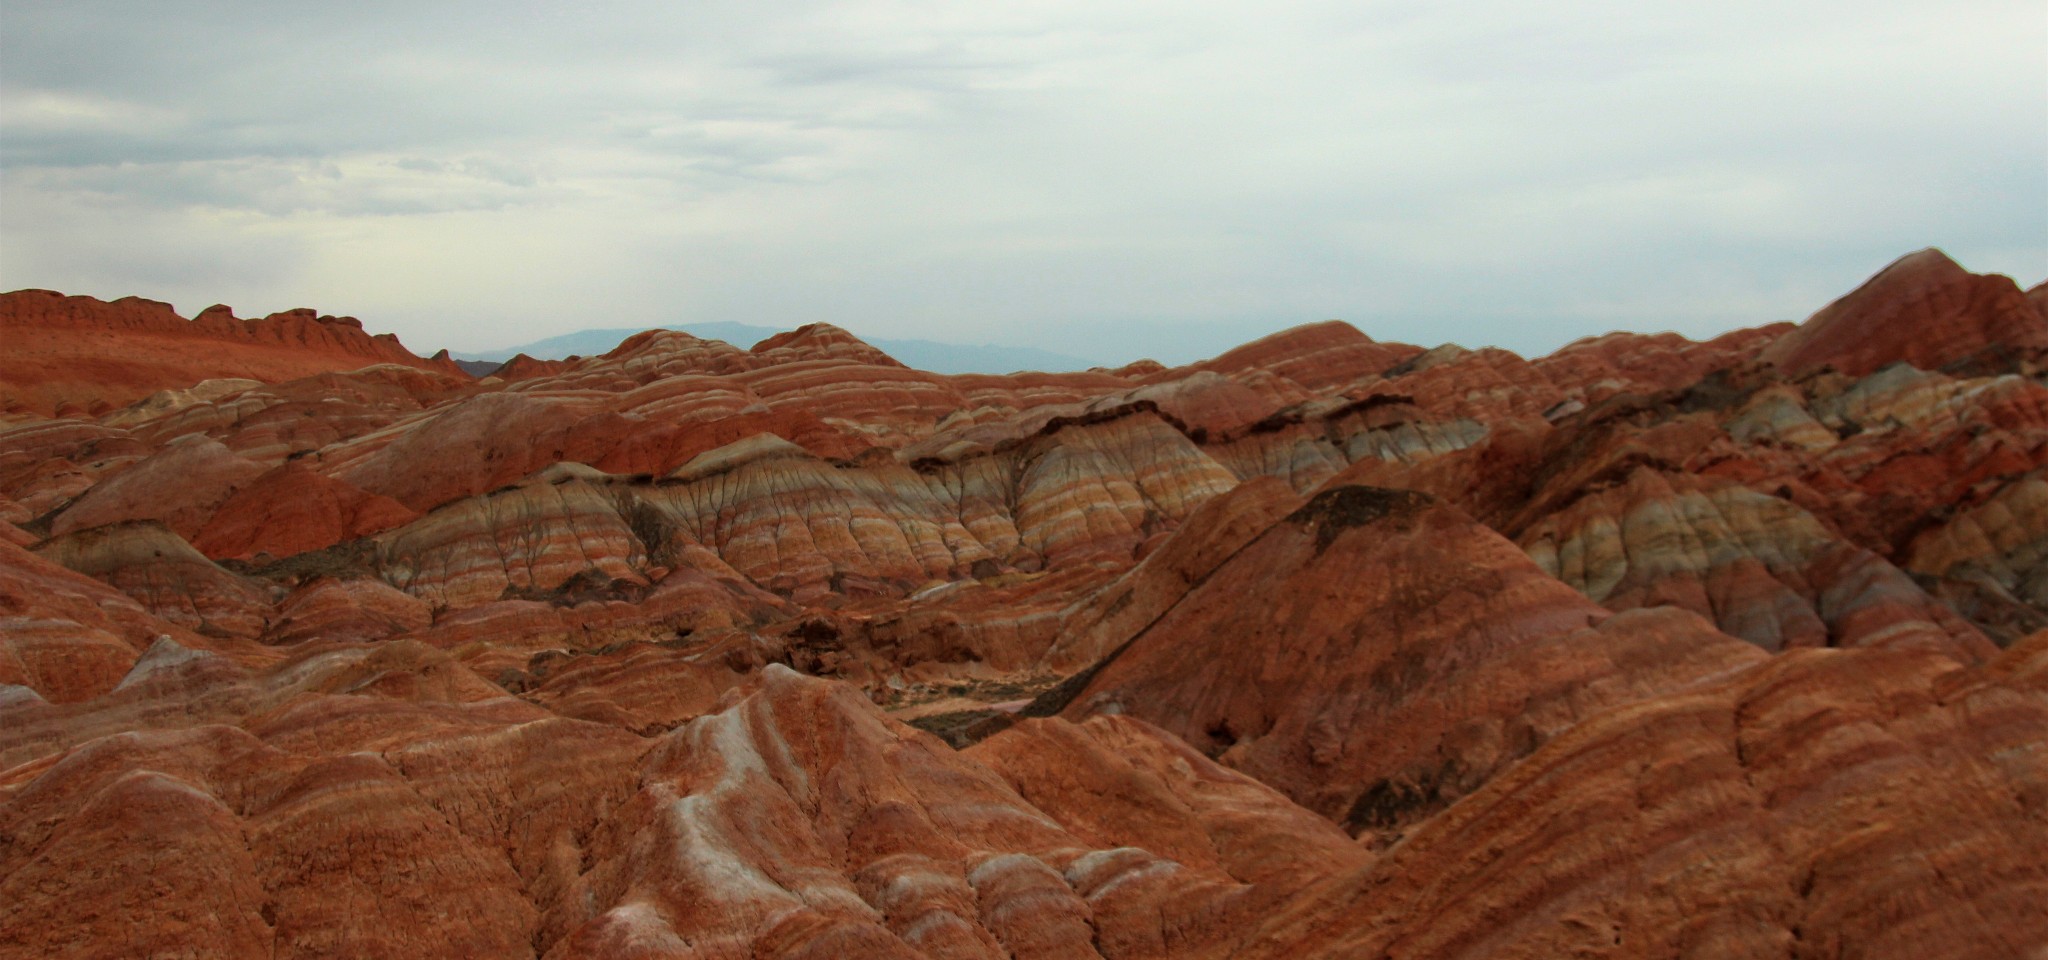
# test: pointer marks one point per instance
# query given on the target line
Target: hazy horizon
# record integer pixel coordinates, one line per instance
(1107, 182)
(1180, 352)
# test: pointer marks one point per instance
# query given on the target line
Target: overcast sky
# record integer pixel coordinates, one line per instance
(1110, 180)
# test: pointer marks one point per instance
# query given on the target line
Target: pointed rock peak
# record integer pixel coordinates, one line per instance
(1307, 336)
(1919, 269)
(737, 454)
(566, 471)
(777, 723)
(168, 401)
(164, 655)
(216, 388)
(1325, 355)
(1923, 309)
(822, 341)
(293, 509)
(779, 680)
(1930, 260)
(692, 349)
(217, 312)
(814, 333)
(523, 367)
(782, 687)
(1206, 401)
(1341, 654)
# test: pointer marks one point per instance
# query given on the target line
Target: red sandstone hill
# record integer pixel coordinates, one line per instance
(1325, 647)
(90, 354)
(1923, 309)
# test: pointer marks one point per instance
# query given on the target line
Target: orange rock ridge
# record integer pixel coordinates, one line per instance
(78, 350)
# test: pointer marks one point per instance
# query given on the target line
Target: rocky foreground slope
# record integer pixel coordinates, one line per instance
(1322, 647)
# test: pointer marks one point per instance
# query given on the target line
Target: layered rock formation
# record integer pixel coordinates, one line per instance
(1323, 647)
(87, 353)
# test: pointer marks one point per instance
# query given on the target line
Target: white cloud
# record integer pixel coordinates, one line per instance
(1169, 178)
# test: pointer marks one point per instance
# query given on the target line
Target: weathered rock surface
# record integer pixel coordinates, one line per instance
(1319, 356)
(1120, 782)
(63, 635)
(1826, 803)
(1376, 654)
(1760, 567)
(166, 575)
(1324, 647)
(799, 821)
(292, 510)
(350, 611)
(181, 486)
(44, 464)
(1211, 537)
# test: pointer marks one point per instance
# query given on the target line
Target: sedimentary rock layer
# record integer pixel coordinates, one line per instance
(1326, 646)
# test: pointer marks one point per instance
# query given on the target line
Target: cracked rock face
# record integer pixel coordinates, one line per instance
(1326, 646)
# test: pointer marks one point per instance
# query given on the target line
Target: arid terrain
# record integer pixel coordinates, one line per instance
(1323, 647)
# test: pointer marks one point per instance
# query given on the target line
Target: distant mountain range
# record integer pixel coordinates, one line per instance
(928, 355)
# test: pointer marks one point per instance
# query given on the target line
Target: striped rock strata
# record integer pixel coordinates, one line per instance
(1650, 647)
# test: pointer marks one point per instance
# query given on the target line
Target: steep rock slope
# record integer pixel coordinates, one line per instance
(1375, 654)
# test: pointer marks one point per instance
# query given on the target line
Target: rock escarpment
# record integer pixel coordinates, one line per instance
(83, 353)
